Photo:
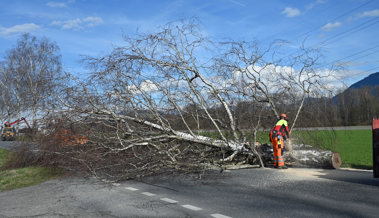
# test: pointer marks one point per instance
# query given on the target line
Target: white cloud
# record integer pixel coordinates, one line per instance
(373, 13)
(57, 4)
(269, 75)
(93, 21)
(237, 3)
(314, 4)
(77, 24)
(291, 12)
(148, 86)
(28, 27)
(68, 24)
(331, 26)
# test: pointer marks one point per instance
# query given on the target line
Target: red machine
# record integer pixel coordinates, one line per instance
(375, 145)
(6, 124)
(8, 133)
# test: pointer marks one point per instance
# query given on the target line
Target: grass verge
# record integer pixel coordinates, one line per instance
(354, 146)
(23, 177)
(4, 156)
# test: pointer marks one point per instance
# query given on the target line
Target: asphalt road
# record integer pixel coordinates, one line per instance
(9, 145)
(238, 193)
(295, 192)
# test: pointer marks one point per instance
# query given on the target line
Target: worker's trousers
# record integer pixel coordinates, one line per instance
(278, 154)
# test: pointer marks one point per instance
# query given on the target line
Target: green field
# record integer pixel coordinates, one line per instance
(22, 177)
(354, 146)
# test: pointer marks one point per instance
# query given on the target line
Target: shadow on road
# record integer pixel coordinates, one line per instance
(363, 177)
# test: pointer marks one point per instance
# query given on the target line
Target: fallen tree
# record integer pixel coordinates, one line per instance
(151, 98)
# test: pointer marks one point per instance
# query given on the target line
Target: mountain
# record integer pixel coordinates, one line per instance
(371, 80)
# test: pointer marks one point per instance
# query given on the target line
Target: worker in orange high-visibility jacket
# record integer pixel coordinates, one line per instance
(277, 135)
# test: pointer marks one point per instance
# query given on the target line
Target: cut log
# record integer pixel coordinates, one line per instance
(307, 156)
(304, 156)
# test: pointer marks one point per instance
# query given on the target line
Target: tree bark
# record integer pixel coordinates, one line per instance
(307, 156)
(303, 156)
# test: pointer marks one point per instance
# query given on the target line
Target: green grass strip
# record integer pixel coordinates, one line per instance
(27, 176)
(4, 156)
(23, 177)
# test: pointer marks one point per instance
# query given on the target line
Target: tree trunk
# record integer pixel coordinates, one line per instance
(303, 156)
(307, 156)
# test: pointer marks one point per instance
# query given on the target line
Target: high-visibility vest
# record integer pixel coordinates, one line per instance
(281, 128)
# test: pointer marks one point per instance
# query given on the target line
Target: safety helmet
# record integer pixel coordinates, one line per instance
(283, 116)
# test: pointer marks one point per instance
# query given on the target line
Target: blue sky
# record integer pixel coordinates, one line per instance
(344, 30)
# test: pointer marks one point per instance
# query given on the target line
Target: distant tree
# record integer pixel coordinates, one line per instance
(358, 106)
(368, 105)
(32, 67)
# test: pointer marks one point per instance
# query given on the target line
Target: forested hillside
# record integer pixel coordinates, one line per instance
(357, 105)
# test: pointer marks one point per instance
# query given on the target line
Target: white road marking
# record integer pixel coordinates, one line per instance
(169, 200)
(217, 215)
(148, 194)
(131, 189)
(116, 184)
(188, 206)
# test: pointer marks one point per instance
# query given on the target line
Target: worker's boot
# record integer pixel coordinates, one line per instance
(283, 167)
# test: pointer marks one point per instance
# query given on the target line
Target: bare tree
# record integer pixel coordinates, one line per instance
(278, 82)
(32, 67)
(161, 72)
(6, 105)
(11, 90)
